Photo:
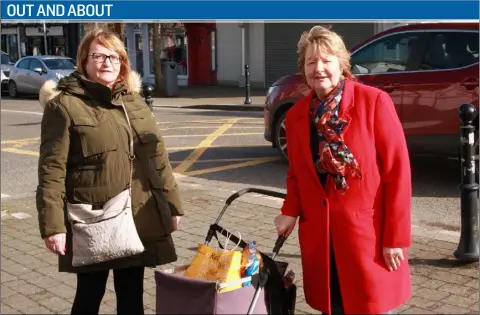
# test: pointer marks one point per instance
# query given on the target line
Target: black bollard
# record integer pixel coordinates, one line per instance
(147, 94)
(468, 247)
(248, 99)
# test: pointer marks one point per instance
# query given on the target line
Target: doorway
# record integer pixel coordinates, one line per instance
(201, 53)
(138, 51)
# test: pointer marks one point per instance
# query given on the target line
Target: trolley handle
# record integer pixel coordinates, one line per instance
(278, 244)
(242, 192)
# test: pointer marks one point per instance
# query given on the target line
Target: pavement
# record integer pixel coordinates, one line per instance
(30, 283)
(214, 98)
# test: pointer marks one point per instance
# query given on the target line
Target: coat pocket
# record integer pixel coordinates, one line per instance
(96, 136)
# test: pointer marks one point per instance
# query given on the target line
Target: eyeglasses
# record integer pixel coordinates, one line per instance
(100, 58)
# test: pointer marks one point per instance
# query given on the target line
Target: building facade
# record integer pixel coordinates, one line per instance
(216, 53)
(19, 40)
(270, 48)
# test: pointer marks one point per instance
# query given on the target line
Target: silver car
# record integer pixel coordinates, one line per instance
(29, 73)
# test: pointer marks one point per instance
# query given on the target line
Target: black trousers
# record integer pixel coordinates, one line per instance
(335, 294)
(91, 287)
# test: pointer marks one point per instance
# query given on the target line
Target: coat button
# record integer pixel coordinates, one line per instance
(324, 202)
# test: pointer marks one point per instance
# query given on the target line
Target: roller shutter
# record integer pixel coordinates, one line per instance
(281, 44)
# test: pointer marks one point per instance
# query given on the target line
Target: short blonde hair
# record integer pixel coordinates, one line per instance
(111, 41)
(325, 41)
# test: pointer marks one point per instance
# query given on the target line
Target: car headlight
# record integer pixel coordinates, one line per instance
(58, 76)
(4, 77)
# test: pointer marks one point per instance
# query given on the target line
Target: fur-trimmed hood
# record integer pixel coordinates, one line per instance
(76, 83)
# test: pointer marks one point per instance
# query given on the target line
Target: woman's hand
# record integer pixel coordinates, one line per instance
(285, 224)
(392, 257)
(175, 221)
(56, 243)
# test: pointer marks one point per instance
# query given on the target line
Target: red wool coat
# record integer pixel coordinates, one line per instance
(374, 213)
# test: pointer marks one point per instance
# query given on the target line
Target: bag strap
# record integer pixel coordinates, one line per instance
(131, 153)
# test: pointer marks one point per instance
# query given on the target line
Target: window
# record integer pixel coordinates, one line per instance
(174, 47)
(24, 63)
(59, 64)
(58, 44)
(10, 46)
(36, 64)
(450, 50)
(139, 53)
(36, 46)
(7, 60)
(388, 54)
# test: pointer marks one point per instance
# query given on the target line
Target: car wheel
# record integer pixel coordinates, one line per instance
(12, 89)
(281, 136)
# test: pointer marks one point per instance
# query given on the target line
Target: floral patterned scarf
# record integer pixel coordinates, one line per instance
(334, 158)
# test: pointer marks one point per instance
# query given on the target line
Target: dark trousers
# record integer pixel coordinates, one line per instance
(335, 294)
(91, 287)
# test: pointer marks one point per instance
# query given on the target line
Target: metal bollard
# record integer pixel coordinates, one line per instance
(248, 99)
(468, 247)
(148, 93)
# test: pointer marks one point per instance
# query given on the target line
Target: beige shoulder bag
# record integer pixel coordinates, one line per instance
(108, 233)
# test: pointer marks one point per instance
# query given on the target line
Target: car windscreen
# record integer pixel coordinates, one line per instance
(59, 64)
(7, 60)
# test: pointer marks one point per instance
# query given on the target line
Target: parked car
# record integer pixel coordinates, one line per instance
(428, 69)
(29, 73)
(6, 64)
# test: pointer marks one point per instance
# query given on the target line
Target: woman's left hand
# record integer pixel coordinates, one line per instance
(392, 257)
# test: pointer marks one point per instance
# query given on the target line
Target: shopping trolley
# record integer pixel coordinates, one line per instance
(268, 293)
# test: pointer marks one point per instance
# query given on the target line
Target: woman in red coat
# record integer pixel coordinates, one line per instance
(349, 184)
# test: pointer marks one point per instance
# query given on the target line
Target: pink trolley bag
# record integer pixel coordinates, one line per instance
(267, 294)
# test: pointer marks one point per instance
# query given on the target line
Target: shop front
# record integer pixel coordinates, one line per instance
(45, 41)
(190, 46)
(10, 41)
(19, 40)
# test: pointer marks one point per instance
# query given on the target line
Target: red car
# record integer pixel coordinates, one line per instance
(428, 69)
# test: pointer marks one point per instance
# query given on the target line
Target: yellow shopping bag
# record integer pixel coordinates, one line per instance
(211, 264)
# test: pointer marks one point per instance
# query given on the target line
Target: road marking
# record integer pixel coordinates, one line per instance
(228, 160)
(35, 153)
(215, 121)
(22, 112)
(223, 146)
(202, 147)
(5, 196)
(209, 127)
(21, 141)
(223, 135)
(220, 121)
(20, 151)
(231, 166)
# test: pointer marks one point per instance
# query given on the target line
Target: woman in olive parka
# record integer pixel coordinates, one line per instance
(84, 159)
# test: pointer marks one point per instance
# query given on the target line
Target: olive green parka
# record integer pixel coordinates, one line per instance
(84, 159)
